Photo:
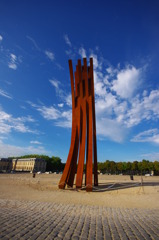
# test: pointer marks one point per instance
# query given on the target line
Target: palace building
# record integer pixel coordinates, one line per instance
(22, 165)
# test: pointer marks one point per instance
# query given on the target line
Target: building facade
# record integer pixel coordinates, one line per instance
(22, 165)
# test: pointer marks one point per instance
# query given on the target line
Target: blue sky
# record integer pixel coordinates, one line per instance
(36, 40)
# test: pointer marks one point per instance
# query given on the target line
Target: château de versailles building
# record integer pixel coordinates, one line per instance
(22, 164)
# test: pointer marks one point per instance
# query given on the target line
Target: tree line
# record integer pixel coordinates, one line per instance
(143, 167)
(55, 164)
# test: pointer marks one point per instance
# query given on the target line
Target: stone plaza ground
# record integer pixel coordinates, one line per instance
(40, 212)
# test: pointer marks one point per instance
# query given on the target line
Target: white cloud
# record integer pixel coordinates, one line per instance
(60, 105)
(110, 71)
(50, 55)
(145, 108)
(67, 40)
(55, 83)
(100, 88)
(8, 123)
(106, 105)
(82, 52)
(5, 128)
(13, 62)
(26, 119)
(12, 66)
(49, 113)
(127, 82)
(1, 38)
(5, 94)
(4, 116)
(151, 135)
(21, 127)
(68, 100)
(13, 57)
(66, 121)
(35, 142)
(60, 118)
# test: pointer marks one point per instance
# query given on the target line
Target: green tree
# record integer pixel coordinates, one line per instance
(112, 167)
(156, 167)
(119, 166)
(134, 167)
(145, 166)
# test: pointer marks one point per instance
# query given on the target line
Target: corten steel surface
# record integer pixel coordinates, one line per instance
(83, 139)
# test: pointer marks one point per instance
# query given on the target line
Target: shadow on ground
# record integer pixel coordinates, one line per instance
(104, 187)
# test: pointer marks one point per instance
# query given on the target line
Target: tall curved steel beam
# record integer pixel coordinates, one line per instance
(83, 137)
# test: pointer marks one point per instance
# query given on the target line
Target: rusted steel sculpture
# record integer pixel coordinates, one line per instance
(83, 139)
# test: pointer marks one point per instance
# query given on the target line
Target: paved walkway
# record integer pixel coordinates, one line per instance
(36, 220)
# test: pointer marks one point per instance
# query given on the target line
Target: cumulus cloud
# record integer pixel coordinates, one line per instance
(50, 55)
(1, 38)
(5, 94)
(127, 82)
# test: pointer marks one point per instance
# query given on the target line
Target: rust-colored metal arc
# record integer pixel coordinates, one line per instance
(90, 150)
(80, 168)
(94, 125)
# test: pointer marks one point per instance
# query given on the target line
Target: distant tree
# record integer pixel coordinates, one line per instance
(112, 167)
(54, 164)
(101, 167)
(151, 166)
(140, 169)
(124, 167)
(129, 166)
(119, 166)
(107, 166)
(156, 167)
(134, 167)
(145, 166)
